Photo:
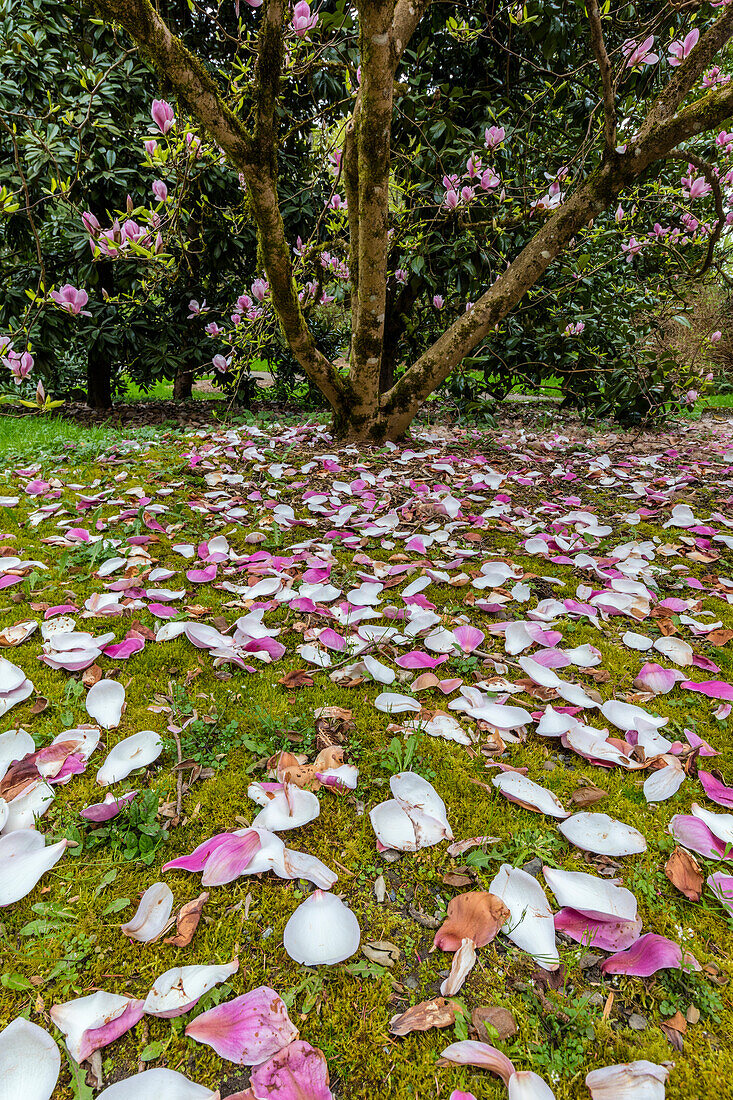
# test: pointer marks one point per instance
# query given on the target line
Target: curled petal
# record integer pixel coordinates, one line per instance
(477, 915)
(156, 1084)
(178, 990)
(90, 1023)
(470, 1053)
(649, 954)
(635, 1081)
(105, 702)
(152, 914)
(602, 834)
(530, 925)
(297, 1072)
(463, 963)
(322, 931)
(527, 1085)
(133, 752)
(604, 935)
(23, 861)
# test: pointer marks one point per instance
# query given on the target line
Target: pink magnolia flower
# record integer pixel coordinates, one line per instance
(633, 248)
(678, 51)
(451, 200)
(259, 289)
(71, 300)
(195, 309)
(473, 166)
(160, 190)
(438, 301)
(723, 138)
(244, 302)
(493, 136)
(574, 329)
(236, 319)
(335, 160)
(489, 180)
(620, 215)
(303, 21)
(715, 337)
(212, 329)
(695, 188)
(467, 193)
(162, 115)
(220, 363)
(20, 366)
(639, 54)
(691, 397)
(451, 182)
(400, 275)
(337, 203)
(90, 223)
(659, 232)
(714, 76)
(150, 146)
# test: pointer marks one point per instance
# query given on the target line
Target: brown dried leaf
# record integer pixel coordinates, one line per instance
(296, 678)
(587, 795)
(476, 915)
(683, 871)
(39, 704)
(500, 1019)
(187, 921)
(456, 878)
(422, 1017)
(91, 676)
(719, 637)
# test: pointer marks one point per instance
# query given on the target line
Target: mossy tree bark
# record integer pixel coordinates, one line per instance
(361, 411)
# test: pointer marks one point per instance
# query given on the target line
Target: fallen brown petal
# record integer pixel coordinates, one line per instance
(461, 846)
(381, 952)
(683, 871)
(421, 1017)
(187, 921)
(296, 678)
(456, 878)
(476, 915)
(91, 676)
(463, 963)
(587, 795)
(499, 1019)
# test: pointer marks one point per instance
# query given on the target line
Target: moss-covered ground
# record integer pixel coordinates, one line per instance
(63, 940)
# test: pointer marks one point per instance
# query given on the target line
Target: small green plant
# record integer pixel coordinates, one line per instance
(520, 848)
(275, 732)
(402, 755)
(135, 834)
(569, 1029)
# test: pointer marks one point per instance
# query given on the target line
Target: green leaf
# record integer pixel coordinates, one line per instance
(116, 906)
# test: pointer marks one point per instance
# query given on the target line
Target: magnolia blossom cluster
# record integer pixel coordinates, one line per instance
(460, 193)
(19, 363)
(574, 329)
(116, 240)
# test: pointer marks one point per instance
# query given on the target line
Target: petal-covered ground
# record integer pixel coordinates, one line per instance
(294, 714)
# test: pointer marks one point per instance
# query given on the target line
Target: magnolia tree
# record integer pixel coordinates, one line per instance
(630, 148)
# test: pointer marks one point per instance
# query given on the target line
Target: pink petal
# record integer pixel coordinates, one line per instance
(716, 790)
(203, 576)
(648, 955)
(332, 640)
(654, 677)
(230, 858)
(722, 886)
(605, 935)
(105, 811)
(698, 742)
(692, 833)
(418, 659)
(468, 637)
(196, 861)
(714, 689)
(247, 1030)
(96, 1038)
(299, 1072)
(132, 644)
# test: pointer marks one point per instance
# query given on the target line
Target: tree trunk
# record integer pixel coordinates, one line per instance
(183, 384)
(99, 378)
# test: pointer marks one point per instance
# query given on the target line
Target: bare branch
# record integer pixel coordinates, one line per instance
(407, 15)
(598, 44)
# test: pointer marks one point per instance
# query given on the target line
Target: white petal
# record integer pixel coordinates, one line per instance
(179, 988)
(640, 1080)
(26, 809)
(530, 924)
(381, 673)
(23, 860)
(463, 963)
(30, 1062)
(590, 895)
(391, 702)
(86, 738)
(14, 745)
(526, 1085)
(602, 834)
(720, 825)
(104, 703)
(521, 787)
(626, 716)
(392, 827)
(11, 677)
(157, 1084)
(554, 723)
(637, 641)
(10, 699)
(279, 814)
(322, 931)
(152, 914)
(663, 783)
(675, 649)
(133, 752)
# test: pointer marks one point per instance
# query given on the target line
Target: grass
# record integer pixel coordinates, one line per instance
(63, 940)
(44, 437)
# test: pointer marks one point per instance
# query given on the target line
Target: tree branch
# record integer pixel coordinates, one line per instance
(604, 64)
(253, 155)
(407, 15)
(401, 403)
(709, 174)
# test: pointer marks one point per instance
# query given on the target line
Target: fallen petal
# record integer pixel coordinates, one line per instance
(90, 1023)
(152, 914)
(105, 702)
(322, 931)
(177, 990)
(634, 1081)
(470, 1053)
(247, 1030)
(30, 1062)
(477, 915)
